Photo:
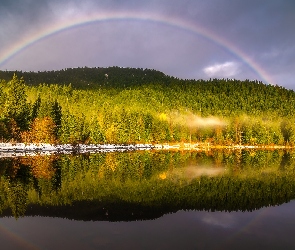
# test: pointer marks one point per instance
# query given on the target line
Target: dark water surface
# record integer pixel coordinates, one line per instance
(149, 200)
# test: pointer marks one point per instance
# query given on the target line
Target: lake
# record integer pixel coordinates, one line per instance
(216, 199)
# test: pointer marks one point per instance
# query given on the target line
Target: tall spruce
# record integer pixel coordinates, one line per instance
(17, 107)
(56, 115)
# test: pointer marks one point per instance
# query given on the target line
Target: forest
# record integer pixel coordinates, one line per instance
(128, 105)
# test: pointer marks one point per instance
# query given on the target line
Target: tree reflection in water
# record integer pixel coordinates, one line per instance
(144, 185)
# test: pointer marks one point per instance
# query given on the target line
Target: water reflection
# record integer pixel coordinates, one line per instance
(127, 186)
(267, 228)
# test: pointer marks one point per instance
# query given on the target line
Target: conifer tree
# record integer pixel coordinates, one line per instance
(16, 104)
(56, 115)
(35, 108)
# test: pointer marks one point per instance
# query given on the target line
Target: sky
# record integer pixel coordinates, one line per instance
(189, 39)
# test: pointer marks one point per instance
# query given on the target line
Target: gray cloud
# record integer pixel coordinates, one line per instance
(226, 69)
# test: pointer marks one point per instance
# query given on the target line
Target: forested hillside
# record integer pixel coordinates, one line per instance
(90, 77)
(125, 105)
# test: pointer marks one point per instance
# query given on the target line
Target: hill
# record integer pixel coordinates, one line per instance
(90, 77)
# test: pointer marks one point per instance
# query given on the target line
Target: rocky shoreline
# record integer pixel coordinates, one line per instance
(32, 149)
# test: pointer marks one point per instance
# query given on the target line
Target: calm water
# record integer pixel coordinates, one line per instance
(149, 200)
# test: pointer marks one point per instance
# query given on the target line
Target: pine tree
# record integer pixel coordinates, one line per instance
(35, 108)
(16, 104)
(2, 100)
(56, 115)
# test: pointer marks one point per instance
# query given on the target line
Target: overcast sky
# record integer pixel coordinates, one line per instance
(243, 39)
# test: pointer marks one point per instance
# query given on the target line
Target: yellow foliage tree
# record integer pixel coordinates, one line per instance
(41, 166)
(42, 131)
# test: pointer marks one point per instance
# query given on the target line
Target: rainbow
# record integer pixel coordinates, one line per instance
(18, 240)
(244, 229)
(133, 16)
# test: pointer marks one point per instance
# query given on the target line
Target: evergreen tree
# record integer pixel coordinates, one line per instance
(16, 104)
(56, 115)
(35, 108)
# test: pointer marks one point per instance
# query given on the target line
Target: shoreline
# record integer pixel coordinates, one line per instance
(23, 149)
(207, 146)
(33, 149)
(4, 147)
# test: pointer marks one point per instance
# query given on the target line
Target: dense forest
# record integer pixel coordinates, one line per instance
(127, 105)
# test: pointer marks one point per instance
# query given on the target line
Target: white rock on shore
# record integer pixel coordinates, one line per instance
(19, 149)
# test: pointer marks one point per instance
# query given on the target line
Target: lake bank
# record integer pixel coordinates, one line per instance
(208, 146)
(23, 149)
